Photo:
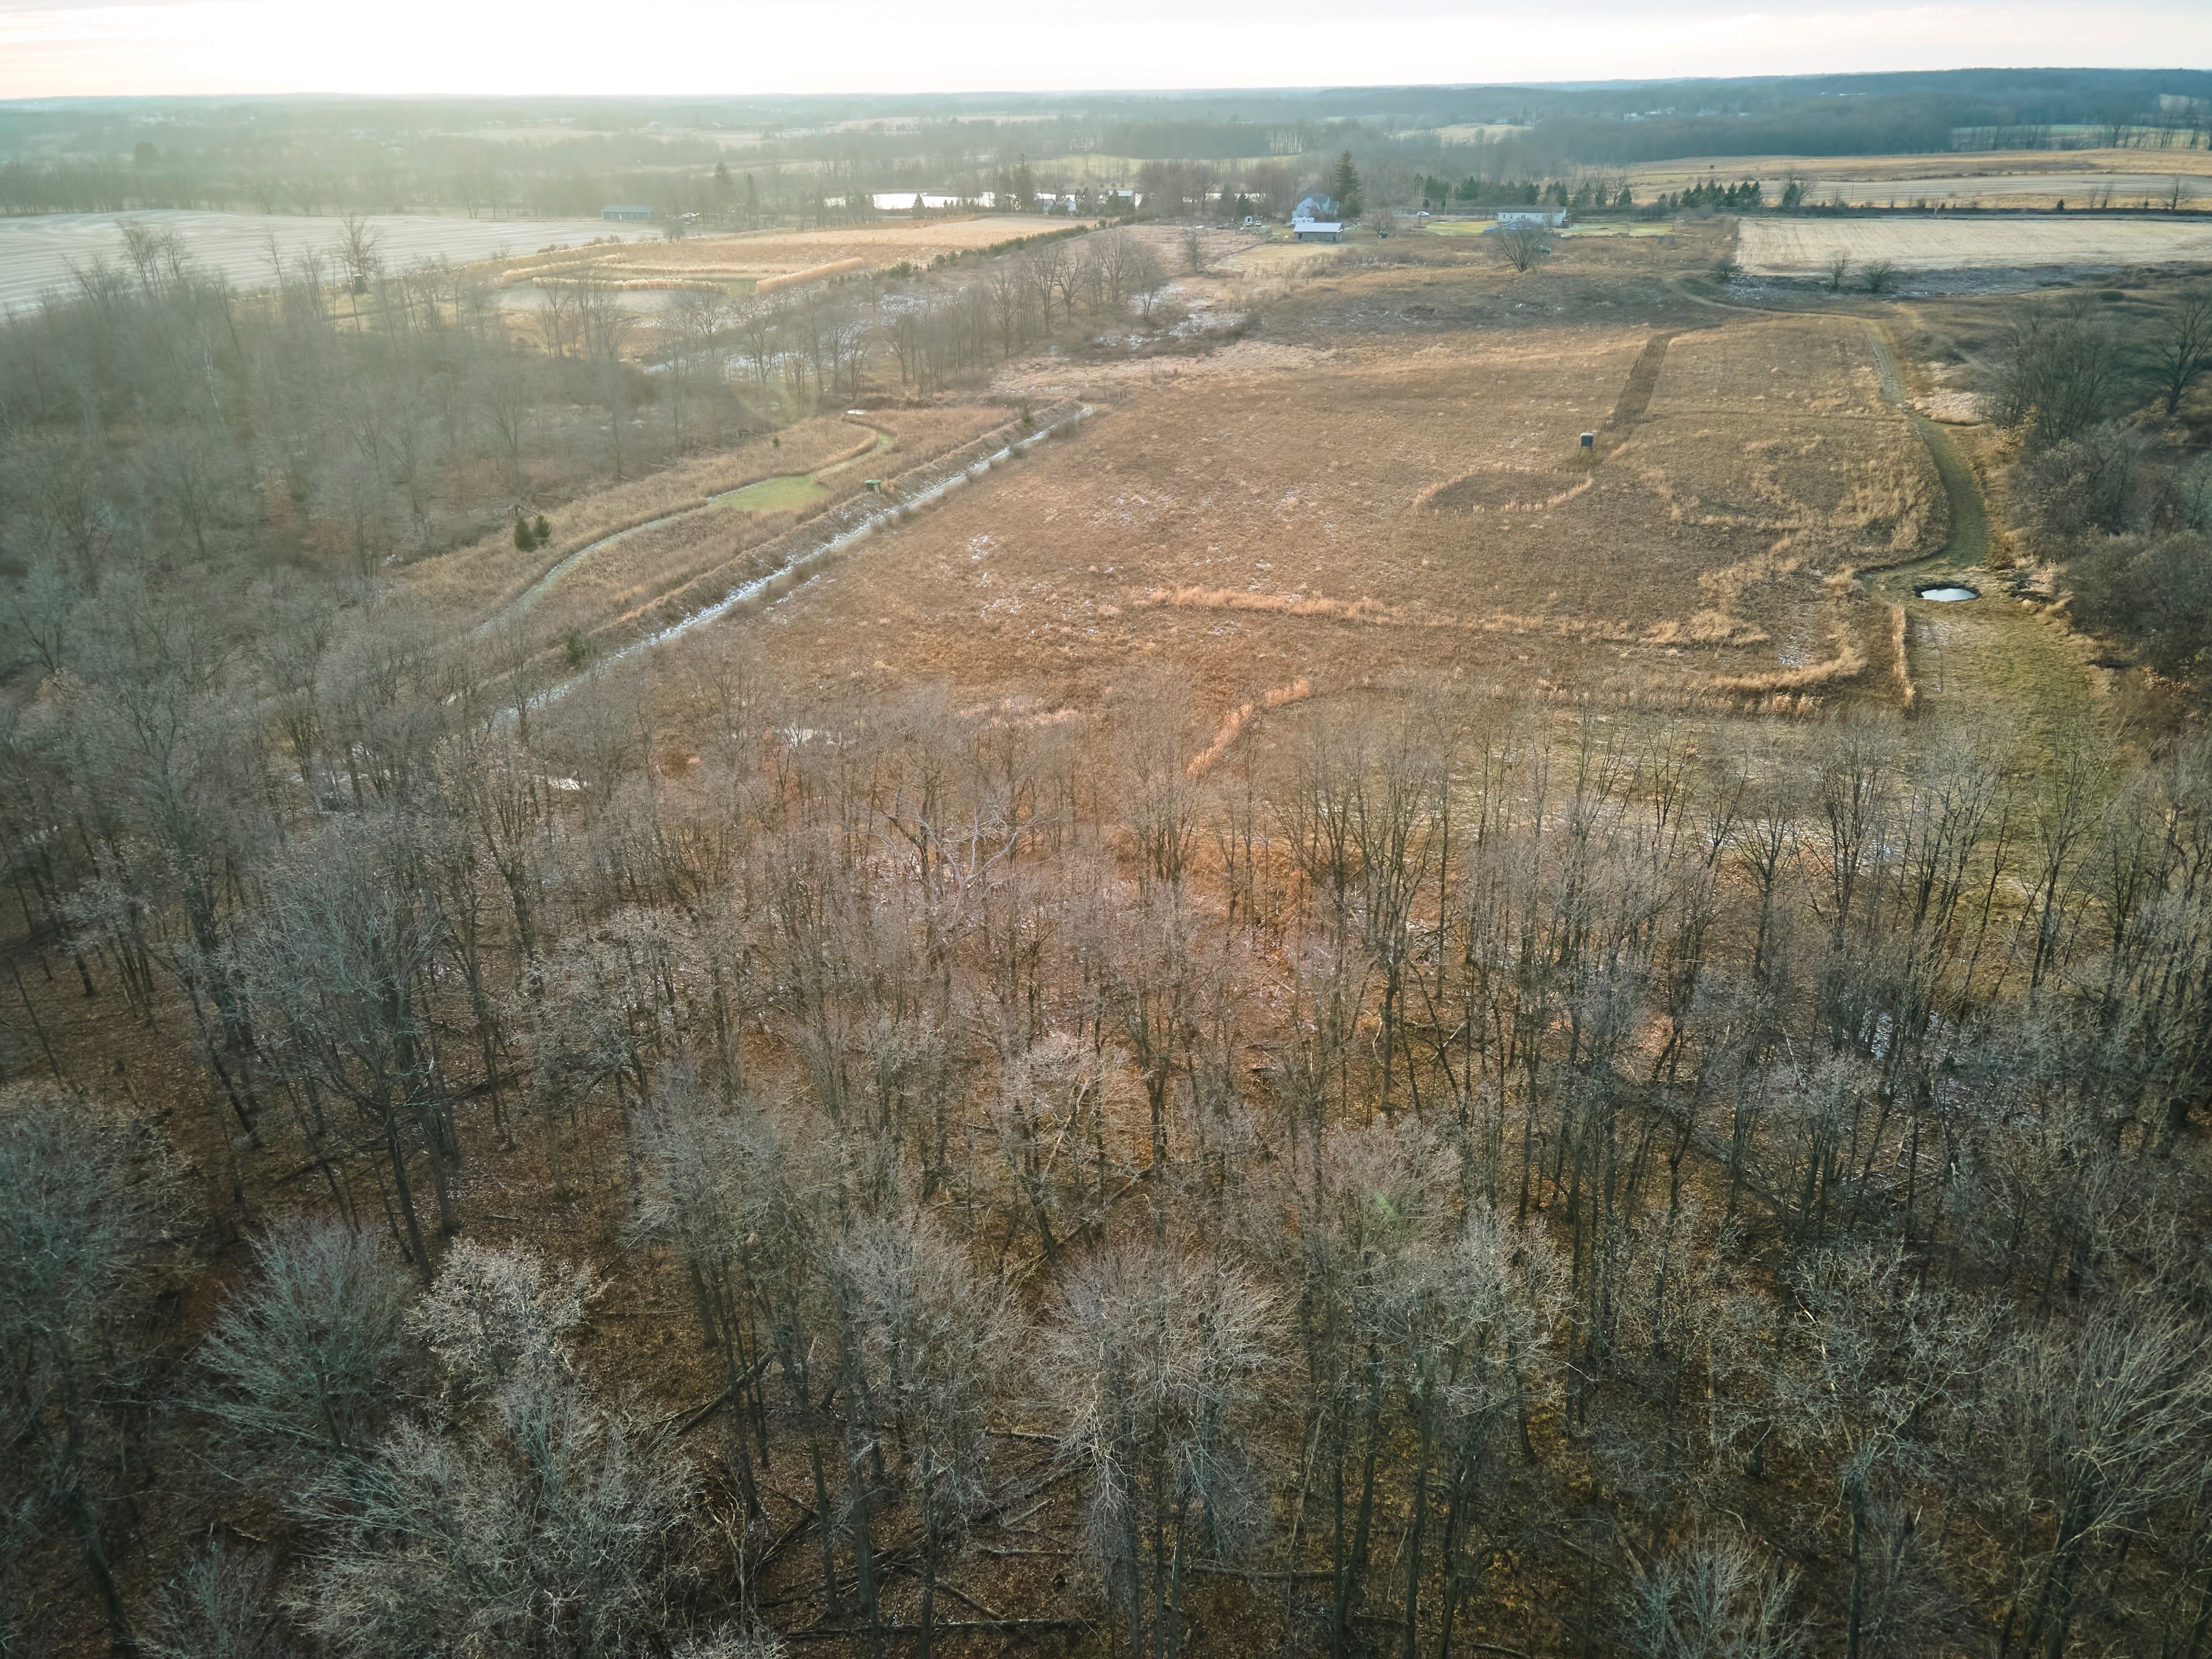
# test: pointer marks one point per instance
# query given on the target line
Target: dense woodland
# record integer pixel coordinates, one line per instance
(1453, 1177)
(746, 161)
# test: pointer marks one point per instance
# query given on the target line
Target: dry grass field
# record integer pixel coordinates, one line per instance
(1803, 247)
(1405, 509)
(616, 552)
(469, 583)
(1909, 177)
(765, 257)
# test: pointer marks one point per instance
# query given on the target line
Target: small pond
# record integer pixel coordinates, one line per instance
(1947, 593)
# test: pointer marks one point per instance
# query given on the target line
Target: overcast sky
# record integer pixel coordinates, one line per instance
(55, 47)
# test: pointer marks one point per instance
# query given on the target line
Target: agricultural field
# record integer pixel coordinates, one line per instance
(764, 259)
(2129, 172)
(1804, 247)
(37, 254)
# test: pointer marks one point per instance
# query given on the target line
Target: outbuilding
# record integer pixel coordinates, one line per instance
(1545, 218)
(636, 212)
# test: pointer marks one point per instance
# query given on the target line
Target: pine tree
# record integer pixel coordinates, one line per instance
(1345, 186)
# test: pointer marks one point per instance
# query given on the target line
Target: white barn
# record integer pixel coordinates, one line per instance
(1546, 218)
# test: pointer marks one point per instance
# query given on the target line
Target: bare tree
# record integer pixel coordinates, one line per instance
(303, 1361)
(2181, 345)
(78, 1216)
(1152, 1357)
(1519, 246)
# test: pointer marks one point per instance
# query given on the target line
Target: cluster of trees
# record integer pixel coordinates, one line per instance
(151, 414)
(1751, 1187)
(1587, 195)
(2089, 389)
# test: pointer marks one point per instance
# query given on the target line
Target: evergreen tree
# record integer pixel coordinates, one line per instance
(1344, 185)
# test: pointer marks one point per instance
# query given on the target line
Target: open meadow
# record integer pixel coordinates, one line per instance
(766, 258)
(1381, 488)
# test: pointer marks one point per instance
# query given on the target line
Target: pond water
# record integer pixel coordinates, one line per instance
(1950, 593)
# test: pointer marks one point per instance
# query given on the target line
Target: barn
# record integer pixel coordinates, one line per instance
(635, 212)
(1544, 218)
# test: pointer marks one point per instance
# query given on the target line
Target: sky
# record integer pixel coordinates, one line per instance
(53, 48)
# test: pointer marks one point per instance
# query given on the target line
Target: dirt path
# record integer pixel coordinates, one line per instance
(1997, 658)
(538, 590)
(1996, 661)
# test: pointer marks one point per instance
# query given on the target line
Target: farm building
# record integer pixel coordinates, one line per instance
(1318, 219)
(1547, 218)
(627, 211)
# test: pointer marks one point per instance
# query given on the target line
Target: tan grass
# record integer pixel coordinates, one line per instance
(812, 274)
(463, 584)
(1240, 718)
(1252, 521)
(1804, 247)
(1901, 667)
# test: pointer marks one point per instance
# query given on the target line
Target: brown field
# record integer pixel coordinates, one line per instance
(1413, 508)
(1998, 170)
(777, 254)
(468, 583)
(1803, 247)
(642, 540)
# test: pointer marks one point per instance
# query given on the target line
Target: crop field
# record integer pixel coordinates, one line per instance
(2037, 191)
(785, 253)
(1299, 519)
(37, 254)
(1909, 177)
(1803, 247)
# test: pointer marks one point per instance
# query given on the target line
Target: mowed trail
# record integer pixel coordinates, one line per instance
(521, 602)
(38, 254)
(1995, 660)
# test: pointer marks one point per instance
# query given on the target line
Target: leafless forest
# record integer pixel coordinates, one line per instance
(510, 1160)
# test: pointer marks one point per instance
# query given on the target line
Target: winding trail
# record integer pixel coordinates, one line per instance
(538, 590)
(746, 592)
(1997, 659)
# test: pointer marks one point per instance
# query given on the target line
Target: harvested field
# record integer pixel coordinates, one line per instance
(1911, 176)
(1803, 247)
(38, 253)
(777, 256)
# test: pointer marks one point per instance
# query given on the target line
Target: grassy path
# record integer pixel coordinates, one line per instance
(1996, 659)
(782, 493)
